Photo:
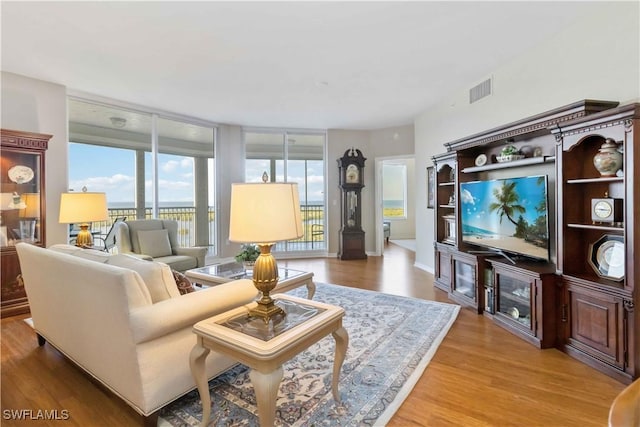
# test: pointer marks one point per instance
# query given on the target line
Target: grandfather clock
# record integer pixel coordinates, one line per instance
(351, 167)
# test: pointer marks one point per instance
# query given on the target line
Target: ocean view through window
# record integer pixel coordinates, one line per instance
(110, 151)
(394, 190)
(292, 157)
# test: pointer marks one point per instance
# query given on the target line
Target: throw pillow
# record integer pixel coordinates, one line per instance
(182, 282)
(155, 243)
(156, 275)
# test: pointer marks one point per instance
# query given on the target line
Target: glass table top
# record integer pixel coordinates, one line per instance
(235, 270)
(256, 327)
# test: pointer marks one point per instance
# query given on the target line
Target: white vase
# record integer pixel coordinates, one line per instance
(608, 160)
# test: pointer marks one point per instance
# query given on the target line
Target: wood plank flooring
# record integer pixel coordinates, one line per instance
(481, 374)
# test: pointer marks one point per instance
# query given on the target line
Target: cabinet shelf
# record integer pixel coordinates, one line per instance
(515, 298)
(596, 227)
(447, 206)
(513, 164)
(594, 180)
(446, 184)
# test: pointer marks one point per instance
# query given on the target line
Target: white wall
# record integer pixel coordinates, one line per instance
(37, 106)
(597, 58)
(396, 143)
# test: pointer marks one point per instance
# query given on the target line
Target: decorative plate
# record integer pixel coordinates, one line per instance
(20, 174)
(481, 160)
(607, 257)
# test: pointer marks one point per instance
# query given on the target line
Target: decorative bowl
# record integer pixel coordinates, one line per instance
(509, 158)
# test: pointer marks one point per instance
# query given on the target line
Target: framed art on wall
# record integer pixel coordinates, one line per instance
(431, 187)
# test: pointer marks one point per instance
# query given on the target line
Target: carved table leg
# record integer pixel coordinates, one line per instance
(311, 289)
(342, 342)
(197, 358)
(266, 387)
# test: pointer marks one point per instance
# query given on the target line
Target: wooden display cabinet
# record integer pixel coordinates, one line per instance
(583, 300)
(525, 296)
(445, 218)
(22, 206)
(595, 249)
(445, 197)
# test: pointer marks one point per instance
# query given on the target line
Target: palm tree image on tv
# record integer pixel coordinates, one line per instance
(507, 214)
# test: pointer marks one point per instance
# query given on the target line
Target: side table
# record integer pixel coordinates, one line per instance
(216, 274)
(265, 347)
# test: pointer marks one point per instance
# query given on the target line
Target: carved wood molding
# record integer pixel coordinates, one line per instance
(538, 123)
(517, 132)
(628, 305)
(591, 128)
(12, 138)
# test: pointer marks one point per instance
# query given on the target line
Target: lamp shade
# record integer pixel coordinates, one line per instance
(267, 212)
(32, 201)
(83, 207)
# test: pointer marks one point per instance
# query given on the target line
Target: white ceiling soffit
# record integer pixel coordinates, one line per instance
(350, 65)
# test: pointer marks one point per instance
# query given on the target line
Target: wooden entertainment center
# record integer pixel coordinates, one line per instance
(581, 298)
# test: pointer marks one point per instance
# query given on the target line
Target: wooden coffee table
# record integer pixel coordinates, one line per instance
(265, 347)
(213, 275)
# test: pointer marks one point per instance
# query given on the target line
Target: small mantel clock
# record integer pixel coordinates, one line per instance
(351, 168)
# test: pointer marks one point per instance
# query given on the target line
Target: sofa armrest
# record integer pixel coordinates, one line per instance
(198, 252)
(174, 314)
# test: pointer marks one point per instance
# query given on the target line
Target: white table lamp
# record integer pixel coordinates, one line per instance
(83, 208)
(265, 214)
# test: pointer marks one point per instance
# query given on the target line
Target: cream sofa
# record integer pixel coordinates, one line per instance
(122, 319)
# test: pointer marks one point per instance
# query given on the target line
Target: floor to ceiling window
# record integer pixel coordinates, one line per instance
(292, 156)
(149, 165)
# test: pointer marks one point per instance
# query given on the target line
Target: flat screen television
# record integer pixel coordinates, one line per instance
(507, 215)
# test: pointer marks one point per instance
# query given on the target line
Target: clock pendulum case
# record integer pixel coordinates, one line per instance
(351, 169)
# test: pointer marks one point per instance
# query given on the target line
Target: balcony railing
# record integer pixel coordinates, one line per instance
(312, 220)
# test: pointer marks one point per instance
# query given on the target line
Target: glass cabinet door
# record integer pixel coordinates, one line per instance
(464, 279)
(514, 299)
(20, 198)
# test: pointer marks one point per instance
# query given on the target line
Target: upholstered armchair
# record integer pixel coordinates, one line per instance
(157, 239)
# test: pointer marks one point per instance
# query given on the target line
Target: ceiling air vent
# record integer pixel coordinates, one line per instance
(479, 91)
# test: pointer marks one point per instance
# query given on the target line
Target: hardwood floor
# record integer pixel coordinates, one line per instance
(481, 374)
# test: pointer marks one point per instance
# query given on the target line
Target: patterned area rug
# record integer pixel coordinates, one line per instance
(391, 341)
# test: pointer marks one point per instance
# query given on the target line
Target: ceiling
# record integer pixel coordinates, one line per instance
(306, 65)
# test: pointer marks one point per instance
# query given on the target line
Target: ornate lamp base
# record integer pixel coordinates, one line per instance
(265, 278)
(84, 237)
(266, 311)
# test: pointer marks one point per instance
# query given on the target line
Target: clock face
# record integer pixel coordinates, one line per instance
(353, 174)
(602, 209)
(607, 210)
